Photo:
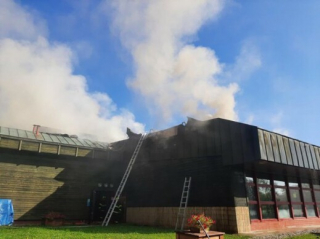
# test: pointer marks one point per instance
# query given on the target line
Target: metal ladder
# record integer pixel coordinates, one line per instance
(123, 182)
(203, 229)
(183, 204)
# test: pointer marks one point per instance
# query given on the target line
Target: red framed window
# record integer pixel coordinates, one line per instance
(279, 199)
(282, 199)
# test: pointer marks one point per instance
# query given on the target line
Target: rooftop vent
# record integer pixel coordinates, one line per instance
(36, 129)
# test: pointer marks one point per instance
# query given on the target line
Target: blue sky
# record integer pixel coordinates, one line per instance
(137, 63)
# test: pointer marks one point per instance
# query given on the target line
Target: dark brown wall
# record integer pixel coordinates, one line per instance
(211, 152)
(236, 143)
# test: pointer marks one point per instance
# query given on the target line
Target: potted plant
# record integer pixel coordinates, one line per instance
(54, 219)
(194, 225)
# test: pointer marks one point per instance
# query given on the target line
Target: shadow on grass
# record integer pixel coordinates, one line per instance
(317, 234)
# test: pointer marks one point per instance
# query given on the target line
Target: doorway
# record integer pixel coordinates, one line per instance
(101, 200)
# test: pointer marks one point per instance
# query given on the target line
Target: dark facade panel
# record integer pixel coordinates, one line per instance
(239, 142)
(226, 141)
(216, 136)
(249, 141)
(210, 140)
(236, 140)
(202, 146)
(194, 144)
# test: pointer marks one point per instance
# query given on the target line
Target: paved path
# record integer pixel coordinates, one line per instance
(289, 232)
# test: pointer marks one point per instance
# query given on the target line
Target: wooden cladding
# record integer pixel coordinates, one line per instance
(285, 150)
(30, 146)
(9, 143)
(68, 151)
(49, 148)
(40, 147)
(38, 184)
(84, 153)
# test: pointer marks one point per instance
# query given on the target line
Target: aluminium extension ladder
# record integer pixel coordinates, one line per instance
(123, 182)
(203, 229)
(183, 205)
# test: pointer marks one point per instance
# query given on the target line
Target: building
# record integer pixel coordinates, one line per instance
(245, 177)
(44, 172)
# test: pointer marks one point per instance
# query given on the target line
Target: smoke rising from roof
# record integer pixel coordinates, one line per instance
(38, 86)
(174, 77)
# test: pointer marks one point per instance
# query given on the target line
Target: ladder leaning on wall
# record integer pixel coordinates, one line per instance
(183, 205)
(123, 182)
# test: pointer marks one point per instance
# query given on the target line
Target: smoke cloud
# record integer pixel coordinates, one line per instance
(38, 86)
(172, 75)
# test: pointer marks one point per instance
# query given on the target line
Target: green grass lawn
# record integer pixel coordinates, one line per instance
(110, 232)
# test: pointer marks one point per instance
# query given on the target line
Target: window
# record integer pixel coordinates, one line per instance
(297, 210)
(296, 199)
(261, 198)
(311, 210)
(284, 211)
(282, 198)
(253, 199)
(295, 195)
(249, 179)
(268, 211)
(279, 183)
(317, 195)
(251, 193)
(265, 194)
(281, 194)
(253, 211)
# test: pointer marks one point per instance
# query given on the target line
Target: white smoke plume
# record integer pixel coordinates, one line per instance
(38, 86)
(174, 76)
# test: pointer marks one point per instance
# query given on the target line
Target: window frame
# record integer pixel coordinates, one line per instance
(299, 187)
